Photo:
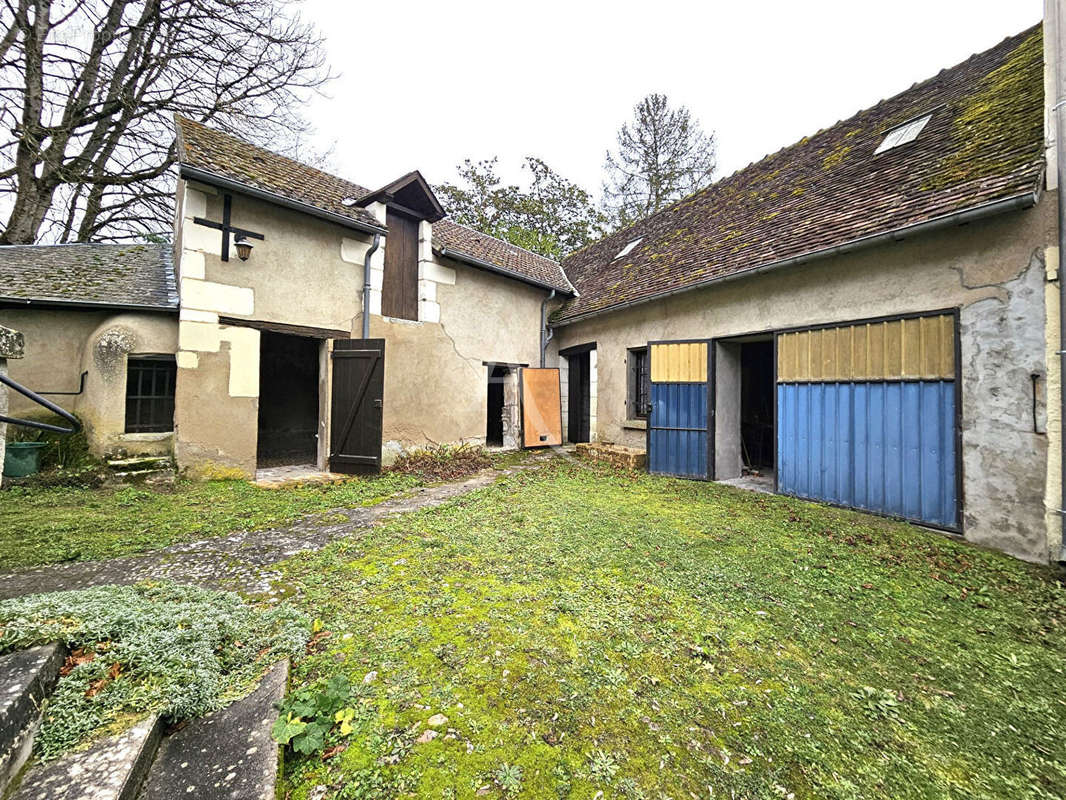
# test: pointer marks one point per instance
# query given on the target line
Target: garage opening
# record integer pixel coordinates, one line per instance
(288, 400)
(744, 411)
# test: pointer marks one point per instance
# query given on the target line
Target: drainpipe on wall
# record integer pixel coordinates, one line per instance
(366, 285)
(1059, 52)
(545, 332)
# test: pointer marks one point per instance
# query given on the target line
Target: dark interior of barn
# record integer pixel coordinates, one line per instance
(494, 426)
(288, 400)
(757, 404)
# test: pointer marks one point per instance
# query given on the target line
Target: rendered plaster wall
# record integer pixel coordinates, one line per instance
(308, 272)
(993, 270)
(436, 378)
(61, 344)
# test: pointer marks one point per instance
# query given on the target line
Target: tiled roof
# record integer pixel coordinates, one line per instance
(506, 256)
(983, 143)
(229, 157)
(98, 274)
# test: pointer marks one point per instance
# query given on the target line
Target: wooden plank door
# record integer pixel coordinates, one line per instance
(399, 289)
(542, 417)
(357, 403)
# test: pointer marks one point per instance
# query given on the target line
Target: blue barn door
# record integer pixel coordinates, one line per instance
(679, 422)
(867, 417)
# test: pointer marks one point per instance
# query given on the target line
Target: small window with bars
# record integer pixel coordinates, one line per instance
(150, 394)
(639, 386)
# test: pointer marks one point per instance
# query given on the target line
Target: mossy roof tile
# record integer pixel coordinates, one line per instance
(229, 157)
(983, 143)
(93, 273)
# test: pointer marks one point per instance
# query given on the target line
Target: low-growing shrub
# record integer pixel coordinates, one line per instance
(63, 450)
(177, 650)
(443, 462)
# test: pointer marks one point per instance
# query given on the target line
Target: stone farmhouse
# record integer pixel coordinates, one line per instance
(869, 317)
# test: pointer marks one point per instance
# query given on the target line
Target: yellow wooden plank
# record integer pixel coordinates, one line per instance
(929, 347)
(892, 367)
(947, 346)
(786, 346)
(814, 343)
(912, 364)
(701, 362)
(860, 356)
(692, 362)
(845, 370)
(658, 363)
(673, 372)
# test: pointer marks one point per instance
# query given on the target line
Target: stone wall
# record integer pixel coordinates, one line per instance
(997, 272)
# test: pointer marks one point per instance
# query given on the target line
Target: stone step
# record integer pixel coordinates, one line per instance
(229, 753)
(112, 769)
(26, 679)
(139, 463)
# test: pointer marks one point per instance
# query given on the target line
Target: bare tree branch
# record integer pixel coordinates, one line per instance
(88, 90)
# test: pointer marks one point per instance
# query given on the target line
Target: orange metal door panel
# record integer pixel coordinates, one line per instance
(542, 423)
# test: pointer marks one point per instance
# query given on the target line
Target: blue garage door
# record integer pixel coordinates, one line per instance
(866, 417)
(678, 424)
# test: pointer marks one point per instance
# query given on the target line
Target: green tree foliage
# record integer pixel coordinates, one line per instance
(663, 154)
(552, 216)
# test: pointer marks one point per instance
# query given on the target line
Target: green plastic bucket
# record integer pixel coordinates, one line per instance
(22, 458)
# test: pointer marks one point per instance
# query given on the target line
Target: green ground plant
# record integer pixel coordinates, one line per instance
(584, 631)
(43, 525)
(176, 650)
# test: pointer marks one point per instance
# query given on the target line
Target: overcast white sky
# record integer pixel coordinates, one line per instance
(459, 79)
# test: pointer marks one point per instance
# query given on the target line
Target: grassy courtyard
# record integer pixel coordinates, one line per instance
(593, 634)
(49, 525)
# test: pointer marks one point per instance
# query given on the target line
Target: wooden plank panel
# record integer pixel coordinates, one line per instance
(785, 357)
(658, 363)
(911, 348)
(814, 344)
(845, 369)
(929, 347)
(947, 346)
(542, 423)
(876, 349)
(893, 361)
(860, 357)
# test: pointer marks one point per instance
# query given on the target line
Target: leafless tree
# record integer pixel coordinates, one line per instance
(88, 90)
(663, 155)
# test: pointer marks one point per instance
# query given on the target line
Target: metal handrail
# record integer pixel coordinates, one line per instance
(75, 425)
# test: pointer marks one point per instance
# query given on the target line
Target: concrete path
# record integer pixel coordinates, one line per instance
(241, 561)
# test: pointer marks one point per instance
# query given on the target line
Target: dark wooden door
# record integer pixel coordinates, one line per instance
(579, 406)
(399, 289)
(358, 395)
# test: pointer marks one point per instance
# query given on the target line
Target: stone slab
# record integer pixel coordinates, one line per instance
(26, 679)
(12, 343)
(228, 754)
(112, 769)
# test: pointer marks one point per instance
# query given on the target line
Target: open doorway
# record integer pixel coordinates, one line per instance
(501, 425)
(288, 400)
(744, 412)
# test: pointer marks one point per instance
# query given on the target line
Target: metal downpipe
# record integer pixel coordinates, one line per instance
(545, 334)
(1060, 171)
(366, 284)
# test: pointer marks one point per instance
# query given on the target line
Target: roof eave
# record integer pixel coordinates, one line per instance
(212, 179)
(1013, 203)
(473, 261)
(93, 304)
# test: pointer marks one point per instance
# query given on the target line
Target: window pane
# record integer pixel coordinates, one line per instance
(150, 394)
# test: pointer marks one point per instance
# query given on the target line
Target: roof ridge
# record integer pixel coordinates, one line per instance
(725, 180)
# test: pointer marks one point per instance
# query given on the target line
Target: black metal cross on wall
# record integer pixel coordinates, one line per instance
(225, 227)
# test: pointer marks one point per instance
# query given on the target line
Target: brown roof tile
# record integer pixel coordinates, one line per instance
(97, 274)
(229, 157)
(983, 143)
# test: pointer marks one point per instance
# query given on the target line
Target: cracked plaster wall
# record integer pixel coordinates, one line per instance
(994, 271)
(310, 272)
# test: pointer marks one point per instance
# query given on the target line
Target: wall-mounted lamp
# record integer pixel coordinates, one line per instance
(244, 248)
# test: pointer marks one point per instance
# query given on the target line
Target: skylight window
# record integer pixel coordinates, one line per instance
(628, 248)
(907, 132)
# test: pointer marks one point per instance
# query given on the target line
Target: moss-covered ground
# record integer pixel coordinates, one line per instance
(48, 525)
(595, 634)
